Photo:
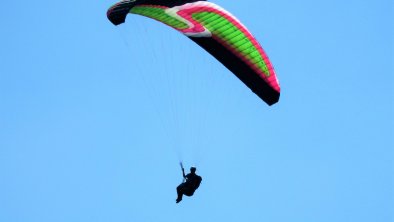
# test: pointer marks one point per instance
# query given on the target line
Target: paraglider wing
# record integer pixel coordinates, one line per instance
(217, 31)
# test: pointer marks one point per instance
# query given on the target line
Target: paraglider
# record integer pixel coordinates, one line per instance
(191, 183)
(217, 31)
(222, 35)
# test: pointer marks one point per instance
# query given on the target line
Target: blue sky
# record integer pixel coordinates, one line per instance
(94, 119)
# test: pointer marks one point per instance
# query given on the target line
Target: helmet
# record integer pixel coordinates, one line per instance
(193, 169)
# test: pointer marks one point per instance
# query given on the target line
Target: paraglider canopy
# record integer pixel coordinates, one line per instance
(217, 31)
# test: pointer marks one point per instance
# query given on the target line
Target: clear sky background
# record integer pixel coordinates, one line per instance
(94, 118)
